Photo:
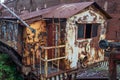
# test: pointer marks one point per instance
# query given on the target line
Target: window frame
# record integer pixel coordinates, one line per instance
(84, 28)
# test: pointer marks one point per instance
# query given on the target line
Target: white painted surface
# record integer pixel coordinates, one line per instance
(72, 49)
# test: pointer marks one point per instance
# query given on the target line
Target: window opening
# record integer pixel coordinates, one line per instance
(87, 30)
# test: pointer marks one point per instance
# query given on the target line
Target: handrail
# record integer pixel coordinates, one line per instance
(46, 59)
(60, 46)
(52, 59)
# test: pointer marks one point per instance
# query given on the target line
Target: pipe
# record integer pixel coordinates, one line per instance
(33, 30)
(104, 44)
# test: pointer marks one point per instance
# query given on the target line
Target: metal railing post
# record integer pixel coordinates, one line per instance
(46, 62)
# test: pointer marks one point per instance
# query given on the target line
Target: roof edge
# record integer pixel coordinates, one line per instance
(103, 11)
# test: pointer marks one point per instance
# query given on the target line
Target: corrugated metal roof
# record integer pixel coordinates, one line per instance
(37, 13)
(62, 11)
(67, 10)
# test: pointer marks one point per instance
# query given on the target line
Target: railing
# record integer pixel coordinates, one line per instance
(55, 57)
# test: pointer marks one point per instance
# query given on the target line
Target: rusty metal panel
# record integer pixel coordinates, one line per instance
(11, 34)
(32, 42)
(77, 49)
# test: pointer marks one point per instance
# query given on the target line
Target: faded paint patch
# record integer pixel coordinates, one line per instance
(70, 47)
(88, 16)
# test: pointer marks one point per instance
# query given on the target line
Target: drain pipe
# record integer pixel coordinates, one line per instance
(33, 30)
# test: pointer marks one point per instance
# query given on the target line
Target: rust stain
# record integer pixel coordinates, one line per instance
(84, 48)
(34, 41)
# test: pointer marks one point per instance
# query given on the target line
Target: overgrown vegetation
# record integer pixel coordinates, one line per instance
(8, 70)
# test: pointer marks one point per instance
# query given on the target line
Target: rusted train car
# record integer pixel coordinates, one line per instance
(65, 34)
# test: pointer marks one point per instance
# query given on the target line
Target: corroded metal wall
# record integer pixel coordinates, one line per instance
(76, 48)
(33, 41)
(11, 34)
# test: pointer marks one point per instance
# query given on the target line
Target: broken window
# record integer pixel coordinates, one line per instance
(87, 30)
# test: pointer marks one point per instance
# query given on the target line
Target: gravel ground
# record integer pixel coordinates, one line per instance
(97, 72)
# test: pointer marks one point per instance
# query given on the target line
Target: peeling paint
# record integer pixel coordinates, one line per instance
(85, 46)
